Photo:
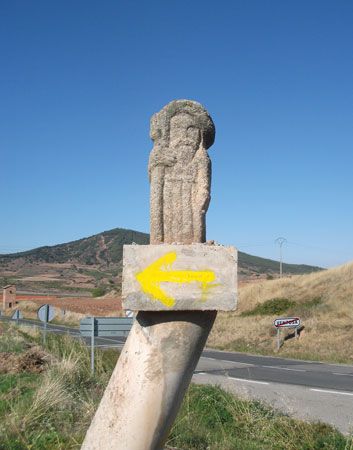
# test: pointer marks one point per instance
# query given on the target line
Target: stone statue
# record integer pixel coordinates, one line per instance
(180, 172)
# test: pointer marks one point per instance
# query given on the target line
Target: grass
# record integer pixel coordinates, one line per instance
(212, 419)
(29, 310)
(323, 301)
(53, 409)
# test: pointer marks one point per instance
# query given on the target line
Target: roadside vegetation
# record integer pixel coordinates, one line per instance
(29, 310)
(213, 419)
(48, 397)
(323, 301)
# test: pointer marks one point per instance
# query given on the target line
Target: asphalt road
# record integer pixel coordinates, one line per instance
(281, 370)
(243, 366)
(75, 332)
(304, 389)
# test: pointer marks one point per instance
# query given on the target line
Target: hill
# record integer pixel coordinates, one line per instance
(322, 300)
(96, 261)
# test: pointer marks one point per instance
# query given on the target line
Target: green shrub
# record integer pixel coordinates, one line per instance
(271, 307)
(99, 291)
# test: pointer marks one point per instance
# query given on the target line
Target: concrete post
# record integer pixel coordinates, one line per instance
(157, 362)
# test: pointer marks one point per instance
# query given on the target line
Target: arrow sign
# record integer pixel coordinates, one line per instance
(161, 271)
(179, 277)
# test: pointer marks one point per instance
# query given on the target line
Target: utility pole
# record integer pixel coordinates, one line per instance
(280, 241)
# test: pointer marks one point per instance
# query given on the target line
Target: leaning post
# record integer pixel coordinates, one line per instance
(177, 284)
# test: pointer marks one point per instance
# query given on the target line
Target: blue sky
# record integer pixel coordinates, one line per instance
(80, 80)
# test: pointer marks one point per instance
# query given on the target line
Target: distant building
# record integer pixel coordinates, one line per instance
(9, 296)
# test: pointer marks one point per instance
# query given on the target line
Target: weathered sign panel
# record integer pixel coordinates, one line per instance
(46, 313)
(179, 277)
(106, 326)
(287, 322)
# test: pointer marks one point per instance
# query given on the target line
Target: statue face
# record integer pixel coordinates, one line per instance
(184, 137)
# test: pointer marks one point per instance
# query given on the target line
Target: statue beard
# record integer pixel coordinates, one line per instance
(184, 151)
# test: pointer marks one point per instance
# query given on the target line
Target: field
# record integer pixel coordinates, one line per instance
(48, 398)
(323, 301)
(69, 310)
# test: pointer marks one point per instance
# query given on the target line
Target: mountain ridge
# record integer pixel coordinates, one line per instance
(97, 260)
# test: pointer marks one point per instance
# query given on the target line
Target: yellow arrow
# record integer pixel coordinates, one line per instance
(153, 275)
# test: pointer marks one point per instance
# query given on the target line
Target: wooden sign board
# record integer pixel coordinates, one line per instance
(179, 277)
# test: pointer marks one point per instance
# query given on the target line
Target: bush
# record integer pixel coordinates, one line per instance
(98, 291)
(271, 307)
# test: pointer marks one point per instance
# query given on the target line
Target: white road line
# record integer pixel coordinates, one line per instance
(200, 373)
(284, 368)
(227, 360)
(237, 362)
(234, 362)
(344, 374)
(248, 381)
(332, 392)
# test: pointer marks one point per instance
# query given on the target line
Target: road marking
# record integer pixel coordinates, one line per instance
(284, 368)
(228, 360)
(248, 381)
(236, 362)
(344, 374)
(200, 373)
(332, 392)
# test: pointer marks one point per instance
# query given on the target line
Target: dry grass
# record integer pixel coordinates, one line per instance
(51, 409)
(29, 310)
(328, 326)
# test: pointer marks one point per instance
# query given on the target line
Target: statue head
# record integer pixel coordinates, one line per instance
(183, 126)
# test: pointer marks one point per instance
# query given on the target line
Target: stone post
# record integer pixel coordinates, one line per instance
(158, 360)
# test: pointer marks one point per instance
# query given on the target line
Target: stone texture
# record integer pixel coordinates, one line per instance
(196, 277)
(148, 384)
(157, 362)
(180, 172)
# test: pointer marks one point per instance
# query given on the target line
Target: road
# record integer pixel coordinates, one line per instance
(303, 389)
(75, 332)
